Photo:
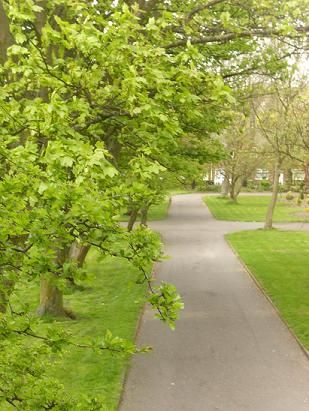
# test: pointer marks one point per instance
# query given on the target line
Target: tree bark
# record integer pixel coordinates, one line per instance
(132, 219)
(225, 186)
(6, 39)
(51, 300)
(6, 288)
(51, 297)
(78, 253)
(306, 179)
(232, 192)
(289, 179)
(235, 187)
(144, 215)
(268, 225)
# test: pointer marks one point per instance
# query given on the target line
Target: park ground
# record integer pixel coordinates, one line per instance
(230, 350)
(277, 259)
(253, 208)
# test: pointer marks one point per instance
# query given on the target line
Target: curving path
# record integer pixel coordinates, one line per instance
(230, 350)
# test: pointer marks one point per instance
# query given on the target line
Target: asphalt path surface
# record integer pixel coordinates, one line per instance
(230, 350)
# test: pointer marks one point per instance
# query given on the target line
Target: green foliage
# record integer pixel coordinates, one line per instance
(289, 196)
(167, 302)
(114, 304)
(264, 185)
(97, 102)
(156, 211)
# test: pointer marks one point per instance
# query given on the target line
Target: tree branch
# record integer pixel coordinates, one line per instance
(200, 8)
(228, 36)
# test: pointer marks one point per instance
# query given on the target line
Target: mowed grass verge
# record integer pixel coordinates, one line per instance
(156, 212)
(159, 211)
(253, 208)
(279, 260)
(112, 301)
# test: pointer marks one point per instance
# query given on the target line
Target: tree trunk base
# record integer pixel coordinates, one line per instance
(51, 301)
(65, 313)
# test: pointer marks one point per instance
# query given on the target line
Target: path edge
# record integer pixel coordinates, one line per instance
(263, 291)
(137, 330)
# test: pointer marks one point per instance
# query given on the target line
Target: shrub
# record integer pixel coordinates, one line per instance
(299, 201)
(212, 188)
(252, 185)
(265, 185)
(289, 196)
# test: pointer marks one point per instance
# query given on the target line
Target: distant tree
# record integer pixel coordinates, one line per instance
(281, 130)
(243, 155)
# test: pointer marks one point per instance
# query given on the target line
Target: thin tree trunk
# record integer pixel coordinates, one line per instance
(6, 288)
(306, 179)
(78, 253)
(233, 191)
(289, 179)
(273, 201)
(236, 189)
(144, 215)
(6, 39)
(225, 186)
(132, 219)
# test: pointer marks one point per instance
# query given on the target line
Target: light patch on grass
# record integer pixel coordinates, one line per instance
(279, 260)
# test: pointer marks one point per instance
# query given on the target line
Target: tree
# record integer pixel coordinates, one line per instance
(242, 153)
(282, 134)
(89, 93)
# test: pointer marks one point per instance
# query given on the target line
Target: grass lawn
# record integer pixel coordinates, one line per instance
(156, 211)
(112, 302)
(253, 208)
(159, 211)
(279, 260)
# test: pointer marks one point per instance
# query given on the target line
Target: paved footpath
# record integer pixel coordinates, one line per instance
(230, 350)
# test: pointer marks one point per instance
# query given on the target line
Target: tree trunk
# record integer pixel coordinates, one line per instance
(6, 288)
(225, 186)
(289, 179)
(51, 297)
(306, 179)
(193, 185)
(6, 39)
(132, 219)
(271, 207)
(144, 215)
(51, 300)
(235, 187)
(78, 253)
(234, 191)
